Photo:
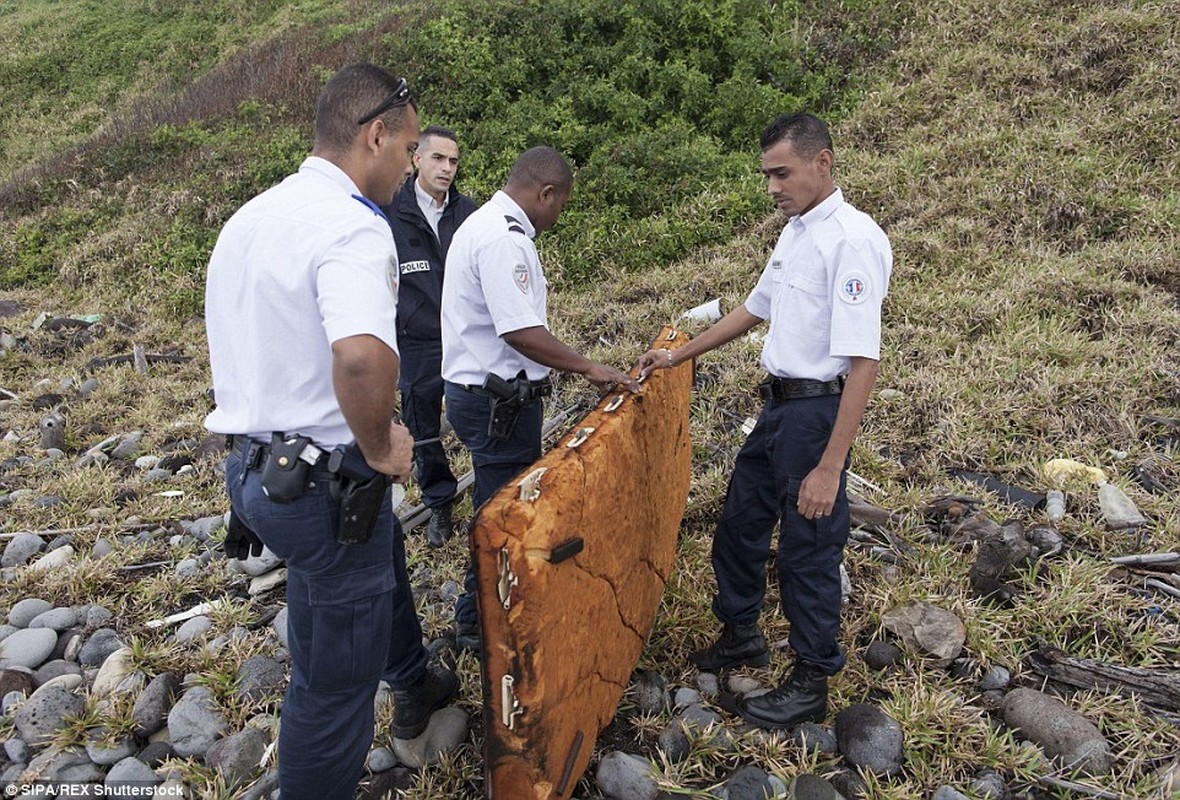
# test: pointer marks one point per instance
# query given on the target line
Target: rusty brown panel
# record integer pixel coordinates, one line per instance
(573, 630)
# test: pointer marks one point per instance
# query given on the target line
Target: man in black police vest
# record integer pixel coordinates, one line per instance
(424, 217)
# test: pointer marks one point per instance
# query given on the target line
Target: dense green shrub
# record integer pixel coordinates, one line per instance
(654, 101)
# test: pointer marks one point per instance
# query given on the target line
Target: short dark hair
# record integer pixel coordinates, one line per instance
(808, 134)
(542, 165)
(439, 131)
(349, 95)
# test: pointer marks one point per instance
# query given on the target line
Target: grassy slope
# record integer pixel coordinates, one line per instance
(1024, 163)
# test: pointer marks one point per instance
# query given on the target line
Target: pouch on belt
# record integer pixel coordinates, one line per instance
(284, 475)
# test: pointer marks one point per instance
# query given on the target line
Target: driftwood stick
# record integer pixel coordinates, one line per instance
(1080, 788)
(865, 513)
(1166, 588)
(1157, 687)
(140, 526)
(414, 516)
(1147, 560)
(151, 565)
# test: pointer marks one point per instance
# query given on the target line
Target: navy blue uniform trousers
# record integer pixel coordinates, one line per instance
(350, 622)
(785, 445)
(495, 462)
(421, 385)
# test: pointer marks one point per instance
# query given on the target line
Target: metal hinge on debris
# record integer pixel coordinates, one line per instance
(507, 580)
(580, 436)
(530, 485)
(509, 706)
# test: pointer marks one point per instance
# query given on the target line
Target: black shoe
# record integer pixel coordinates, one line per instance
(468, 636)
(439, 531)
(413, 705)
(802, 698)
(738, 646)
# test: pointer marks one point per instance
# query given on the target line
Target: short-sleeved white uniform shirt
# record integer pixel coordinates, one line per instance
(822, 292)
(300, 266)
(492, 285)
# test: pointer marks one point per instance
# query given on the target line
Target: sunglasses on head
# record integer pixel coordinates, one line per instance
(400, 97)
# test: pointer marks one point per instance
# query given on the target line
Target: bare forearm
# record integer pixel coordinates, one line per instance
(857, 388)
(726, 329)
(736, 323)
(538, 344)
(364, 376)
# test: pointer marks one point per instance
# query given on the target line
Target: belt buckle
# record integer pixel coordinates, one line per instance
(311, 454)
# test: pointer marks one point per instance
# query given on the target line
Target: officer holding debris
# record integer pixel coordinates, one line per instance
(822, 292)
(497, 348)
(424, 216)
(301, 321)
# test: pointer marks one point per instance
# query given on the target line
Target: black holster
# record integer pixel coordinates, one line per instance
(506, 399)
(361, 490)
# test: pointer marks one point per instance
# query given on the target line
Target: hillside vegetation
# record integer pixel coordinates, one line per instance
(1023, 156)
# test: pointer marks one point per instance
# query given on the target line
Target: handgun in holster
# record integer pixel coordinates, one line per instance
(506, 400)
(361, 490)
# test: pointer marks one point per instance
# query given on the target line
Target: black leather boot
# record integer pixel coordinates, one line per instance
(802, 698)
(468, 636)
(413, 705)
(439, 531)
(738, 646)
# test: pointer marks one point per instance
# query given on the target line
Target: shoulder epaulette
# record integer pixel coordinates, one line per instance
(514, 224)
(376, 209)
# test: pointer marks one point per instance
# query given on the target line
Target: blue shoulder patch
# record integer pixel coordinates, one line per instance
(514, 225)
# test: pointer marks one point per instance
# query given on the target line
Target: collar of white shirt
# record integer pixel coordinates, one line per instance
(822, 211)
(426, 201)
(329, 170)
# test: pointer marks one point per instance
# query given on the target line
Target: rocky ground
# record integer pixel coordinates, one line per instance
(133, 654)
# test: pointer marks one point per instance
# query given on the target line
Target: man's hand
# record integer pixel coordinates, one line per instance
(653, 360)
(240, 541)
(817, 493)
(606, 378)
(398, 455)
(540, 345)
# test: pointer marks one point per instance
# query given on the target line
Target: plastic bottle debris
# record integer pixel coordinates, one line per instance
(1060, 470)
(1055, 505)
(705, 312)
(1117, 509)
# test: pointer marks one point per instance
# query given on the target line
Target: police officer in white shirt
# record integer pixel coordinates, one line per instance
(497, 348)
(822, 292)
(301, 316)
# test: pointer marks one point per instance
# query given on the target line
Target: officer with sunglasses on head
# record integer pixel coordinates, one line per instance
(301, 316)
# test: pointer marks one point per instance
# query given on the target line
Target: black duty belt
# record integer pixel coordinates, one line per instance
(541, 388)
(775, 388)
(254, 453)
